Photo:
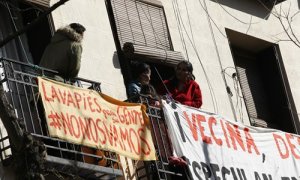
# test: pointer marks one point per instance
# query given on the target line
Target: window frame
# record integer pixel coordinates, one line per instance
(233, 36)
(123, 59)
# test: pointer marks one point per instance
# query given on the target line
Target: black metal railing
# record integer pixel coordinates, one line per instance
(19, 81)
(160, 169)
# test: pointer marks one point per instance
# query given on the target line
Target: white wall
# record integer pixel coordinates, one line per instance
(248, 17)
(200, 36)
(99, 62)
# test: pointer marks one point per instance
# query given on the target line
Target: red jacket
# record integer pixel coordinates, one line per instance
(190, 96)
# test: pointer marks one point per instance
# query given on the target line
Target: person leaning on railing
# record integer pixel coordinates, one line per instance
(141, 78)
(140, 87)
(182, 87)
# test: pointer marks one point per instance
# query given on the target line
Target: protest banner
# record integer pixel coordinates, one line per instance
(219, 149)
(90, 118)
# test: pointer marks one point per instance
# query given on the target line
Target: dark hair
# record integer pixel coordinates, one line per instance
(188, 65)
(190, 68)
(78, 27)
(139, 68)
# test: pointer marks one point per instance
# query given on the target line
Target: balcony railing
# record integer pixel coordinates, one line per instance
(160, 169)
(19, 81)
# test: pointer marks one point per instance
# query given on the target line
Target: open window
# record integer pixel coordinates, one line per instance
(39, 36)
(141, 34)
(29, 46)
(264, 83)
(9, 23)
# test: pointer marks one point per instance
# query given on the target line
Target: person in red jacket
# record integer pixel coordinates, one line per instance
(183, 88)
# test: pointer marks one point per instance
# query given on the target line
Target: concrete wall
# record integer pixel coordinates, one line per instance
(99, 60)
(197, 29)
(198, 26)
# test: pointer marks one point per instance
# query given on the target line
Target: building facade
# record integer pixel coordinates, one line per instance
(245, 53)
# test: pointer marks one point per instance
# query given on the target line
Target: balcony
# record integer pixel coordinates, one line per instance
(19, 81)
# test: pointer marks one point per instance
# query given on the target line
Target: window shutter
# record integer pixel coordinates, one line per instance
(153, 55)
(45, 3)
(249, 100)
(143, 33)
(253, 91)
(141, 23)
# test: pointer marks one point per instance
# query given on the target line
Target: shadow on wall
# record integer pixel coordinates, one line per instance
(115, 60)
(299, 4)
(252, 7)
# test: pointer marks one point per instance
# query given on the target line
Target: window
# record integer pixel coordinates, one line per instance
(14, 15)
(30, 46)
(141, 34)
(264, 83)
(141, 23)
(8, 24)
(39, 36)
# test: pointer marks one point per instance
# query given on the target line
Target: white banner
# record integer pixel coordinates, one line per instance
(219, 149)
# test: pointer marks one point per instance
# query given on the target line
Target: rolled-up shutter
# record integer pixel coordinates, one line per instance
(45, 3)
(150, 54)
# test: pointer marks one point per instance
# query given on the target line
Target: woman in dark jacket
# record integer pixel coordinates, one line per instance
(141, 84)
(183, 88)
(141, 76)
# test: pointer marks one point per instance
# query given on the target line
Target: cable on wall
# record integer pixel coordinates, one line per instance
(198, 57)
(150, 21)
(212, 19)
(219, 60)
(238, 96)
(189, 21)
(180, 30)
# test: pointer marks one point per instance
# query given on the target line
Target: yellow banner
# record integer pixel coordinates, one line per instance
(90, 118)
